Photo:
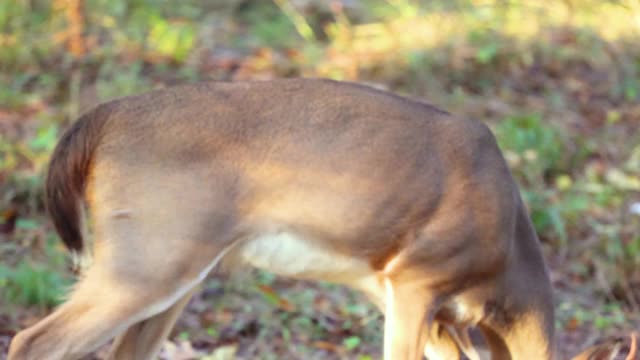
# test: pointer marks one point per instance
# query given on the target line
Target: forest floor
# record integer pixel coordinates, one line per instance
(564, 106)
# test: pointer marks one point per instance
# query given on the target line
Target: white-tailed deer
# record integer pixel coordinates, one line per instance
(312, 179)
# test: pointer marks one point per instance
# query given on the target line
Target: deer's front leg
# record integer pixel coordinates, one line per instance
(406, 309)
(439, 344)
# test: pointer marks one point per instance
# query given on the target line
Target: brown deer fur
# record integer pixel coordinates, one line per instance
(312, 179)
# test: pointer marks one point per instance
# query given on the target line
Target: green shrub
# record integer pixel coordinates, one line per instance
(30, 284)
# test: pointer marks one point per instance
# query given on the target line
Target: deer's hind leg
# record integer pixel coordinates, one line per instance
(144, 340)
(102, 305)
(108, 300)
(141, 269)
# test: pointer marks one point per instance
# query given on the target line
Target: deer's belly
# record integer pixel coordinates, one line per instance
(289, 254)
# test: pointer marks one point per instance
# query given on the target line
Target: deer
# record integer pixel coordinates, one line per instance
(310, 179)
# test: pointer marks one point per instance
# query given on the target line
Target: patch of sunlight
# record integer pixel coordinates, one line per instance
(8, 40)
(171, 38)
(358, 46)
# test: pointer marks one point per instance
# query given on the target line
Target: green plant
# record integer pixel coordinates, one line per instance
(535, 149)
(31, 284)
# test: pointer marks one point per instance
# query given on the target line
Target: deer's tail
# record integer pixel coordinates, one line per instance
(69, 169)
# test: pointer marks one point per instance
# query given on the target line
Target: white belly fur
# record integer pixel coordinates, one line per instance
(288, 254)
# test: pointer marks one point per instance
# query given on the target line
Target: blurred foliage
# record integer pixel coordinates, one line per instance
(558, 82)
(41, 283)
(30, 284)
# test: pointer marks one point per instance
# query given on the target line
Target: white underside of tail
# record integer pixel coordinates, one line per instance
(80, 261)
